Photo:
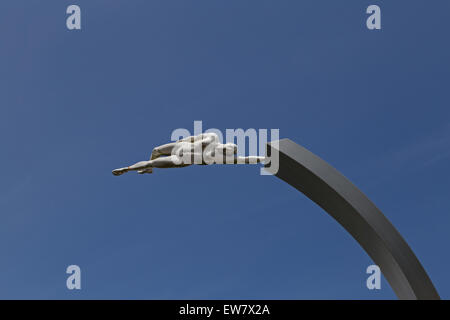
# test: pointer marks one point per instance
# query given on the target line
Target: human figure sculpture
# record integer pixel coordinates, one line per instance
(203, 149)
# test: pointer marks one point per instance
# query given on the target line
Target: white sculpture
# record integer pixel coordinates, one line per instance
(203, 149)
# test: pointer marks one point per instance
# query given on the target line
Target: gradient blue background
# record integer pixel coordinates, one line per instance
(76, 104)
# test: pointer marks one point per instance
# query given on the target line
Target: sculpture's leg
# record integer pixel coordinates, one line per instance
(148, 170)
(164, 162)
(141, 165)
(168, 162)
(164, 150)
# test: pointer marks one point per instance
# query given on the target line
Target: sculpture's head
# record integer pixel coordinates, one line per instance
(226, 149)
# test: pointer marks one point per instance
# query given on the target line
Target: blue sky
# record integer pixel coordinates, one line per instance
(76, 104)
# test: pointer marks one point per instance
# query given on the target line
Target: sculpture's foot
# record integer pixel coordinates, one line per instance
(118, 172)
(149, 170)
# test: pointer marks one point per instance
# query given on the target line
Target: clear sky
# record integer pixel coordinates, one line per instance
(76, 104)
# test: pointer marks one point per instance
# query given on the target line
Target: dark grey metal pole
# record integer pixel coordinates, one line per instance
(324, 185)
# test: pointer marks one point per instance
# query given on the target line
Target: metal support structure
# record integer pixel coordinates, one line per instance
(340, 198)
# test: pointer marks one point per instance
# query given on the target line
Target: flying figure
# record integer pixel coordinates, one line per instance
(203, 149)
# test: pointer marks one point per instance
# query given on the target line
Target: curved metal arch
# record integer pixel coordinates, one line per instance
(340, 198)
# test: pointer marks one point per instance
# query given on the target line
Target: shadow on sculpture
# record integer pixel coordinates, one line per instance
(334, 193)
